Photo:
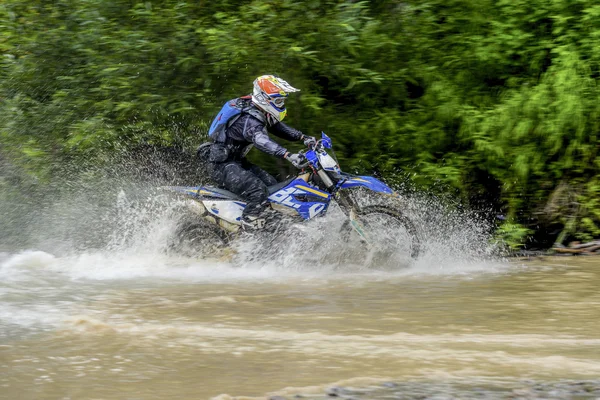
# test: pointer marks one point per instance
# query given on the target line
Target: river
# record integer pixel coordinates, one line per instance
(100, 325)
(95, 304)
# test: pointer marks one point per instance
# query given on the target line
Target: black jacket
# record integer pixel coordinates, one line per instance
(252, 129)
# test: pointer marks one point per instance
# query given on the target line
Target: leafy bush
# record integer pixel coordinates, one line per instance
(495, 100)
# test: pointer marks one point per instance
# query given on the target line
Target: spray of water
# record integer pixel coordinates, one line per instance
(452, 241)
(117, 227)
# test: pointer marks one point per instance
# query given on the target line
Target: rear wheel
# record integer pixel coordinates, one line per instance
(195, 237)
(387, 238)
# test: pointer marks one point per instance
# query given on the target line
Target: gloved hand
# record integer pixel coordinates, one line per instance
(309, 140)
(296, 159)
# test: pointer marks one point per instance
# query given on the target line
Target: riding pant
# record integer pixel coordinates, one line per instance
(242, 178)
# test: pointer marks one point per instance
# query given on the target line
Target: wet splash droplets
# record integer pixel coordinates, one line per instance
(122, 228)
(451, 241)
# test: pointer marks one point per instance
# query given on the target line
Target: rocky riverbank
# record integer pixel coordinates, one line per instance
(518, 390)
(572, 249)
(588, 248)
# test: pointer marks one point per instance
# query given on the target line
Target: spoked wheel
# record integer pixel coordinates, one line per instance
(194, 237)
(386, 236)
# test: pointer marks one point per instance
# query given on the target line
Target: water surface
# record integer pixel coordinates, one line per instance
(123, 326)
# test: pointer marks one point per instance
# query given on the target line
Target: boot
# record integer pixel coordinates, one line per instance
(253, 223)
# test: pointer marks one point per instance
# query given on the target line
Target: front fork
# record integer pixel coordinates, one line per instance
(350, 207)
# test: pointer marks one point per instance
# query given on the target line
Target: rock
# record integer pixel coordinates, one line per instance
(277, 398)
(588, 387)
(593, 248)
(586, 245)
(567, 251)
(524, 390)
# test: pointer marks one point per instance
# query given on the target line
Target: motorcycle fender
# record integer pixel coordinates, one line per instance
(368, 182)
(228, 210)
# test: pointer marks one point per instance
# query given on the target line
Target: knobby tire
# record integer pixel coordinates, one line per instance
(410, 227)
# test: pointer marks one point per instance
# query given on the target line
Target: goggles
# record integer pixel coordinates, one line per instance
(278, 100)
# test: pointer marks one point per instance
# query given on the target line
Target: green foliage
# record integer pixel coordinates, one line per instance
(496, 101)
(512, 235)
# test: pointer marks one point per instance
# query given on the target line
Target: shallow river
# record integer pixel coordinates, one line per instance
(102, 326)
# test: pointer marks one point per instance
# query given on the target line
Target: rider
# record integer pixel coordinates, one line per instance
(252, 117)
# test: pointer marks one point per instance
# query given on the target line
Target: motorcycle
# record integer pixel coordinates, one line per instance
(382, 231)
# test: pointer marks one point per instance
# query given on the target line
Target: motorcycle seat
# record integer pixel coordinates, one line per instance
(278, 186)
(225, 193)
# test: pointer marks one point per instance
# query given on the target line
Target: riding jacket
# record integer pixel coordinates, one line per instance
(252, 129)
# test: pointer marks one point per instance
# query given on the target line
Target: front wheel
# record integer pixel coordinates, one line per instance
(388, 237)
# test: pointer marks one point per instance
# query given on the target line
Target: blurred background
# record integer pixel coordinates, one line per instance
(492, 102)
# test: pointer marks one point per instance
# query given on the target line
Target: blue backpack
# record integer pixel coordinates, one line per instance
(230, 112)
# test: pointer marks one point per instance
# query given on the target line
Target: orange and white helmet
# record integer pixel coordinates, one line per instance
(269, 95)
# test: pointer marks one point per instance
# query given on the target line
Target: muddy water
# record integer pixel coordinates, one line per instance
(97, 327)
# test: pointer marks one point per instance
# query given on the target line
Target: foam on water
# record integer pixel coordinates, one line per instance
(26, 260)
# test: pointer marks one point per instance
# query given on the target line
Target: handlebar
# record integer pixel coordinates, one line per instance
(316, 145)
(303, 165)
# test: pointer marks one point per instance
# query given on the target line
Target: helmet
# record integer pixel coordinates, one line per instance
(269, 95)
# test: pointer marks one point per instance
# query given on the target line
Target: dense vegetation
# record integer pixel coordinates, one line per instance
(495, 100)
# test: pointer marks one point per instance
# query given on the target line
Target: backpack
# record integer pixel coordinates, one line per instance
(230, 112)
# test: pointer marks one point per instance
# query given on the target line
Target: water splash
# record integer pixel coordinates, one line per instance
(121, 229)
(452, 241)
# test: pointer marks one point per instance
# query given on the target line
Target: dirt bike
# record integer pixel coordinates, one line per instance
(382, 230)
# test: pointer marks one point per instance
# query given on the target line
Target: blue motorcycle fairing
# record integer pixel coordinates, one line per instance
(311, 155)
(298, 194)
(307, 200)
(369, 182)
(312, 158)
(327, 143)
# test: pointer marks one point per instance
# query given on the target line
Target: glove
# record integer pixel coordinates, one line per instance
(296, 159)
(309, 141)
